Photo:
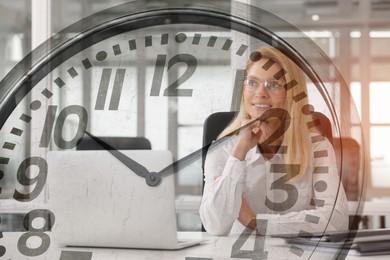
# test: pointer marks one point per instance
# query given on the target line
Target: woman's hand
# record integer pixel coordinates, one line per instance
(249, 137)
(246, 216)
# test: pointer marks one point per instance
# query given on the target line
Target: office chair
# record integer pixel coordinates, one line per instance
(119, 143)
(347, 152)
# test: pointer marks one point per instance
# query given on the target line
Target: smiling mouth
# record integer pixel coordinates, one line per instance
(261, 106)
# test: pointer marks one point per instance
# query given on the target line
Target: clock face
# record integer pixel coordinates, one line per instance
(156, 74)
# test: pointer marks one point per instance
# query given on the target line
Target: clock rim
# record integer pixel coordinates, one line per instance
(39, 63)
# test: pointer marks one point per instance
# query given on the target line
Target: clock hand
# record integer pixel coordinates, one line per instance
(183, 162)
(151, 178)
(188, 159)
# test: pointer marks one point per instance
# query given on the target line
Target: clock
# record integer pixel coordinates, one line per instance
(142, 69)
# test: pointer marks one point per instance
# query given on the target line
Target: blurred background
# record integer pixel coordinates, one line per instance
(355, 34)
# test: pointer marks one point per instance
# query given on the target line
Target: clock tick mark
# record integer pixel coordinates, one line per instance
(312, 219)
(180, 38)
(226, 46)
(299, 96)
(4, 160)
(117, 49)
(25, 118)
(101, 55)
(196, 39)
(255, 56)
(292, 84)
(59, 82)
(212, 41)
(317, 202)
(280, 74)
(320, 186)
(317, 138)
(35, 105)
(297, 251)
(72, 72)
(87, 64)
(268, 64)
(314, 123)
(148, 41)
(16, 131)
(321, 169)
(308, 109)
(47, 93)
(164, 38)
(242, 50)
(68, 255)
(1, 175)
(132, 45)
(321, 154)
(9, 146)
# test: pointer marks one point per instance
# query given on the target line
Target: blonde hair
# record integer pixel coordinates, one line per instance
(296, 137)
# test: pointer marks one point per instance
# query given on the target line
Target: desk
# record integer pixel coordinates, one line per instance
(214, 248)
(369, 208)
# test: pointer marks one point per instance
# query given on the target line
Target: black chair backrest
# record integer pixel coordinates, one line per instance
(212, 127)
(119, 143)
(347, 152)
(215, 124)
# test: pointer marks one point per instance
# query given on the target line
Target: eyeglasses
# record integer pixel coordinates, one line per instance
(272, 86)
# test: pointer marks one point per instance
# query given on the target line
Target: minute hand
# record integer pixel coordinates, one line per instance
(178, 165)
(183, 162)
(130, 163)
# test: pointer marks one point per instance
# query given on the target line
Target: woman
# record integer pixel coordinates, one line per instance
(292, 187)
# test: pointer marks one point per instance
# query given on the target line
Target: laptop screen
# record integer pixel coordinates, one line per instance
(100, 202)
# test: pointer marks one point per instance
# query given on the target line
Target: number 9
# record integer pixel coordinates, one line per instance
(40, 179)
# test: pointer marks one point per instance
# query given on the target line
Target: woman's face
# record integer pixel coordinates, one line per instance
(261, 90)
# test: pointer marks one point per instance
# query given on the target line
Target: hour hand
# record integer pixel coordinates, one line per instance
(151, 178)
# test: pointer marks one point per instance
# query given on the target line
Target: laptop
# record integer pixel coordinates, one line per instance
(98, 202)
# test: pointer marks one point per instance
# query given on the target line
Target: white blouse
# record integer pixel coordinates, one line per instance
(312, 203)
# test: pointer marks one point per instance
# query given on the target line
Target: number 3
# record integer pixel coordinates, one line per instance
(292, 170)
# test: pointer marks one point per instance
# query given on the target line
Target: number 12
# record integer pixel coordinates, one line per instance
(172, 90)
